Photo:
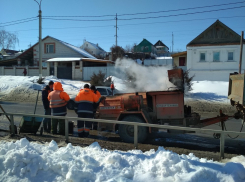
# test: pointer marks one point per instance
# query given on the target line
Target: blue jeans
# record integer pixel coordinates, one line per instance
(47, 121)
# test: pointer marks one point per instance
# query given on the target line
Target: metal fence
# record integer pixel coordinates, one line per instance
(135, 124)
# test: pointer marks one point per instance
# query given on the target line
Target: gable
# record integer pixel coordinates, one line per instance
(144, 42)
(159, 43)
(217, 33)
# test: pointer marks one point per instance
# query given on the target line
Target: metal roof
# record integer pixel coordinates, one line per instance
(68, 59)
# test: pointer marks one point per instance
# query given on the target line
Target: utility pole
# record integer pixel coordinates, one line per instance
(40, 39)
(172, 42)
(241, 49)
(116, 29)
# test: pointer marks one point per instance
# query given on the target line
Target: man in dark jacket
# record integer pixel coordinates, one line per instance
(85, 100)
(47, 111)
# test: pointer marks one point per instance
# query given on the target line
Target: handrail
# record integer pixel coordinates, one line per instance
(135, 124)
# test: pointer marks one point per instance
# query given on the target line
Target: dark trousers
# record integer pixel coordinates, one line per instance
(84, 124)
(47, 121)
(55, 123)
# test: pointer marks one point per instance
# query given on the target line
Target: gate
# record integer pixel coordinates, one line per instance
(64, 72)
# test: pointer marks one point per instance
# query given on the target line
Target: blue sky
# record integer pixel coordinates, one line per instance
(184, 27)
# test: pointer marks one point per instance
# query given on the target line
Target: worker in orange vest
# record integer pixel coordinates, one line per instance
(85, 100)
(112, 87)
(58, 100)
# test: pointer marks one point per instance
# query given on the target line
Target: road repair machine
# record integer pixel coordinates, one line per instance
(154, 107)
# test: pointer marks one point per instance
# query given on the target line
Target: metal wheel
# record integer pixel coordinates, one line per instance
(126, 132)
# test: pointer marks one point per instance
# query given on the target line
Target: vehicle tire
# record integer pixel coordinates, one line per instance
(126, 132)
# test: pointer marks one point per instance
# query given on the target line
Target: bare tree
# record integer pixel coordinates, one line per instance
(128, 48)
(7, 39)
(117, 52)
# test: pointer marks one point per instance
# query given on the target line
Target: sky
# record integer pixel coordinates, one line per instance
(184, 26)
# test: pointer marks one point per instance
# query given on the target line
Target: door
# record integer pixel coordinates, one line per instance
(181, 61)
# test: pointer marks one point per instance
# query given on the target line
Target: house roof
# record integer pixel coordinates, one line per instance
(68, 59)
(77, 49)
(216, 34)
(179, 54)
(10, 52)
(145, 40)
(96, 46)
(160, 43)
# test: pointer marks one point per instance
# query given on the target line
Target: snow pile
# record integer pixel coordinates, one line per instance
(210, 90)
(24, 161)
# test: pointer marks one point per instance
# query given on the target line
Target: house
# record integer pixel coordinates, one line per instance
(179, 59)
(94, 49)
(162, 49)
(146, 47)
(8, 54)
(214, 53)
(59, 58)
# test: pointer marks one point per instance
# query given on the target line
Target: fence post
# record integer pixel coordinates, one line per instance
(222, 145)
(66, 131)
(136, 136)
(12, 124)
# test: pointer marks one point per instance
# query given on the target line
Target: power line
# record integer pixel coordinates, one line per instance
(154, 12)
(181, 9)
(199, 19)
(198, 12)
(141, 18)
(19, 22)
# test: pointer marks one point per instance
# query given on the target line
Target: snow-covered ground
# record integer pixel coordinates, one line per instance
(25, 161)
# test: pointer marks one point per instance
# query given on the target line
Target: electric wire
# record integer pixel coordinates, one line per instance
(152, 17)
(153, 12)
(17, 20)
(18, 23)
(239, 131)
(182, 14)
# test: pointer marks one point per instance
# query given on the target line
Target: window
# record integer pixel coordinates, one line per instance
(230, 56)
(202, 56)
(49, 48)
(102, 91)
(146, 48)
(216, 57)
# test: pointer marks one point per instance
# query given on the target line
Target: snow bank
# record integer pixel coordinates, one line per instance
(24, 161)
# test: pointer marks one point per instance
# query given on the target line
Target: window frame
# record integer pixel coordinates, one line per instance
(232, 56)
(214, 54)
(204, 57)
(45, 48)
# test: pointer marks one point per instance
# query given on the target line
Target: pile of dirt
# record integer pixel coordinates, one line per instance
(202, 106)
(22, 94)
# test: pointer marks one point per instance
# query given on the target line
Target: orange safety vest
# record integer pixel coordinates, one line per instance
(55, 100)
(112, 86)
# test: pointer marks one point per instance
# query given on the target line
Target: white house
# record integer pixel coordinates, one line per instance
(94, 49)
(215, 53)
(59, 58)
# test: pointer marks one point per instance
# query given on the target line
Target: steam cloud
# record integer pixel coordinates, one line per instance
(143, 78)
